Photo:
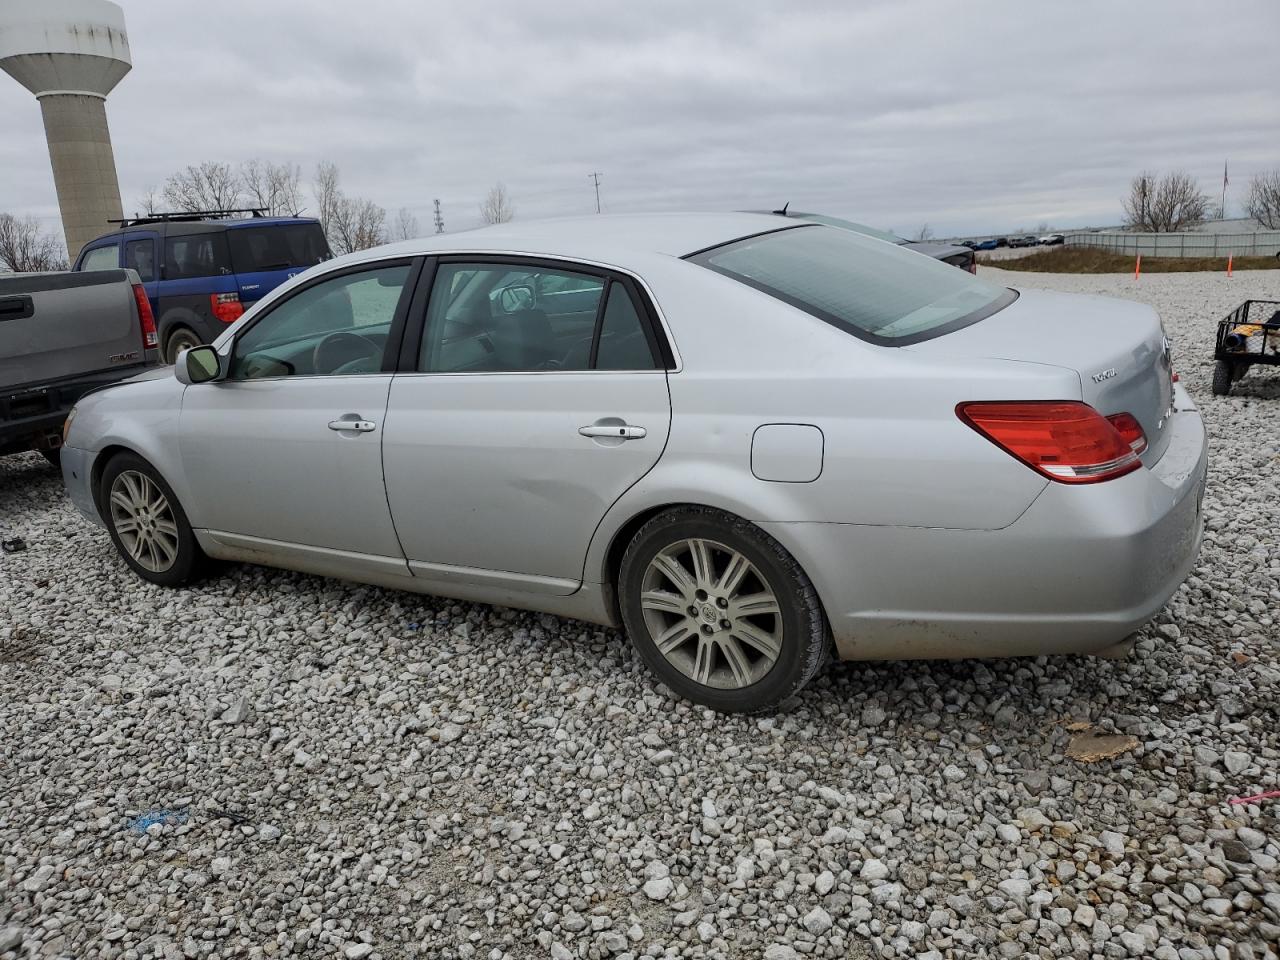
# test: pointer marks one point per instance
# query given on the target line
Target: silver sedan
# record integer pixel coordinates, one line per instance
(752, 444)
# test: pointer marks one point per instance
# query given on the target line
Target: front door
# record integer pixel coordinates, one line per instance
(538, 399)
(287, 448)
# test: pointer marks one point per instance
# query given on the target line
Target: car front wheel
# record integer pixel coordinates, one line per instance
(719, 610)
(146, 522)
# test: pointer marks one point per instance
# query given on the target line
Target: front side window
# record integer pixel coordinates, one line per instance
(140, 255)
(102, 258)
(196, 255)
(337, 327)
(873, 290)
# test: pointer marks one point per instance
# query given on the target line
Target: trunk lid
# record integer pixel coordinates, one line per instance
(1117, 348)
(64, 324)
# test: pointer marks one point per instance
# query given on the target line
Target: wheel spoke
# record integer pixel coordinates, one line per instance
(664, 601)
(753, 636)
(121, 499)
(736, 657)
(166, 551)
(754, 605)
(674, 636)
(136, 547)
(679, 577)
(131, 489)
(733, 573)
(126, 525)
(704, 573)
(704, 660)
(168, 528)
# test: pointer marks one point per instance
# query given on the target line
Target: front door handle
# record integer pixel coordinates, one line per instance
(353, 425)
(610, 431)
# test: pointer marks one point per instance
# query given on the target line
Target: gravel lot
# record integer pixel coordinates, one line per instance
(280, 765)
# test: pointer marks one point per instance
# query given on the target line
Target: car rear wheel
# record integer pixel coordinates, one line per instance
(719, 610)
(147, 524)
(181, 339)
(1221, 378)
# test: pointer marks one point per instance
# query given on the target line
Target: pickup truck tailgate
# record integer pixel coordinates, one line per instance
(56, 324)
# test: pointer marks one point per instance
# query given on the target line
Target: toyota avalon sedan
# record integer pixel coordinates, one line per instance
(751, 443)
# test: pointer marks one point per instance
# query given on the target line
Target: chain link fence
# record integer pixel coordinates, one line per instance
(1261, 243)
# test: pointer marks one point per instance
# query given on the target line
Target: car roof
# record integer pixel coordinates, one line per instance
(590, 237)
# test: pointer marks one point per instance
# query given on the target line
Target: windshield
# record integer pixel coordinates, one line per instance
(277, 247)
(870, 289)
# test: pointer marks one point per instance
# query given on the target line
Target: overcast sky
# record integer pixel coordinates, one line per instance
(972, 117)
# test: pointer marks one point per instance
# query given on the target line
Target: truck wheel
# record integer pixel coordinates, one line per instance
(147, 524)
(719, 610)
(1221, 378)
(181, 339)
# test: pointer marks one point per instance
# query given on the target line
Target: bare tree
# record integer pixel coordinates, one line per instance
(148, 204)
(1264, 199)
(357, 225)
(406, 225)
(924, 234)
(25, 248)
(328, 196)
(273, 187)
(207, 186)
(497, 206)
(1164, 204)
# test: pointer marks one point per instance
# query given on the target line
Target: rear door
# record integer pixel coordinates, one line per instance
(55, 325)
(537, 397)
(267, 255)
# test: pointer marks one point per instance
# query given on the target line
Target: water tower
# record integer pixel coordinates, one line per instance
(71, 54)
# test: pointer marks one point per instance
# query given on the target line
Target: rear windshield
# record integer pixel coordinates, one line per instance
(277, 247)
(196, 255)
(871, 289)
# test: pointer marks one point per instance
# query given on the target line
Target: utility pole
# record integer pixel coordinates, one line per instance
(439, 218)
(595, 178)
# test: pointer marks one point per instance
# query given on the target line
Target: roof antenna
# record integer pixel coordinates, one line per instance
(783, 211)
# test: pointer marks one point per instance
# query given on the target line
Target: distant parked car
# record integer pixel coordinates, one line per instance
(954, 254)
(753, 443)
(1022, 241)
(1002, 241)
(986, 245)
(1052, 239)
(201, 271)
(62, 335)
(971, 244)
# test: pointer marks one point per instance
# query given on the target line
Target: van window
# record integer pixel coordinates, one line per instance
(101, 258)
(196, 255)
(140, 255)
(277, 247)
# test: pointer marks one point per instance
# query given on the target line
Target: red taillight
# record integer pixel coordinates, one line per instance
(146, 320)
(1064, 440)
(1130, 431)
(226, 306)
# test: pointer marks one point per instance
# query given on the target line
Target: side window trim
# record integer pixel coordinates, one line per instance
(656, 332)
(407, 295)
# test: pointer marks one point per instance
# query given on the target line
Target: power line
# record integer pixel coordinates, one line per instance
(595, 178)
(439, 217)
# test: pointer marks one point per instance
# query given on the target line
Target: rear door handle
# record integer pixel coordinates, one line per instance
(355, 426)
(622, 431)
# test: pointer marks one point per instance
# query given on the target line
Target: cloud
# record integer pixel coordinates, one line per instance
(972, 117)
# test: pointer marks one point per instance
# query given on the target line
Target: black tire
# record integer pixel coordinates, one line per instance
(1221, 378)
(805, 645)
(53, 456)
(189, 560)
(180, 339)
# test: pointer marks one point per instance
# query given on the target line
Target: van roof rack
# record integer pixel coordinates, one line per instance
(188, 216)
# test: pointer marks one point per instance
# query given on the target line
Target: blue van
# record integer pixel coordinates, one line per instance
(202, 271)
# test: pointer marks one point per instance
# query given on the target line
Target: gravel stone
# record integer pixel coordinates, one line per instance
(270, 765)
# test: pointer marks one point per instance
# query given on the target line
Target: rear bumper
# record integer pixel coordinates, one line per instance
(1081, 569)
(32, 416)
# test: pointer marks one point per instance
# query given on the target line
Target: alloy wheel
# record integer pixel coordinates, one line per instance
(144, 521)
(711, 614)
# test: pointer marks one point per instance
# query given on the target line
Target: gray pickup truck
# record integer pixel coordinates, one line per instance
(62, 335)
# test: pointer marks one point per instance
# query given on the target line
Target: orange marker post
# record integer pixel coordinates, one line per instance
(1137, 267)
(1229, 259)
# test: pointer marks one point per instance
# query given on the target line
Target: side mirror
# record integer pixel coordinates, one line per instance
(196, 365)
(516, 297)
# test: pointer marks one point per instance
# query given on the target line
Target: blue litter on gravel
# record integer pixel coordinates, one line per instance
(170, 818)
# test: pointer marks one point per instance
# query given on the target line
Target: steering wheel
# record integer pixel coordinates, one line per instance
(342, 348)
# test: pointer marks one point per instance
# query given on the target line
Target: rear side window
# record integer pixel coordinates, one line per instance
(262, 249)
(102, 258)
(196, 255)
(866, 287)
(140, 255)
(623, 344)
